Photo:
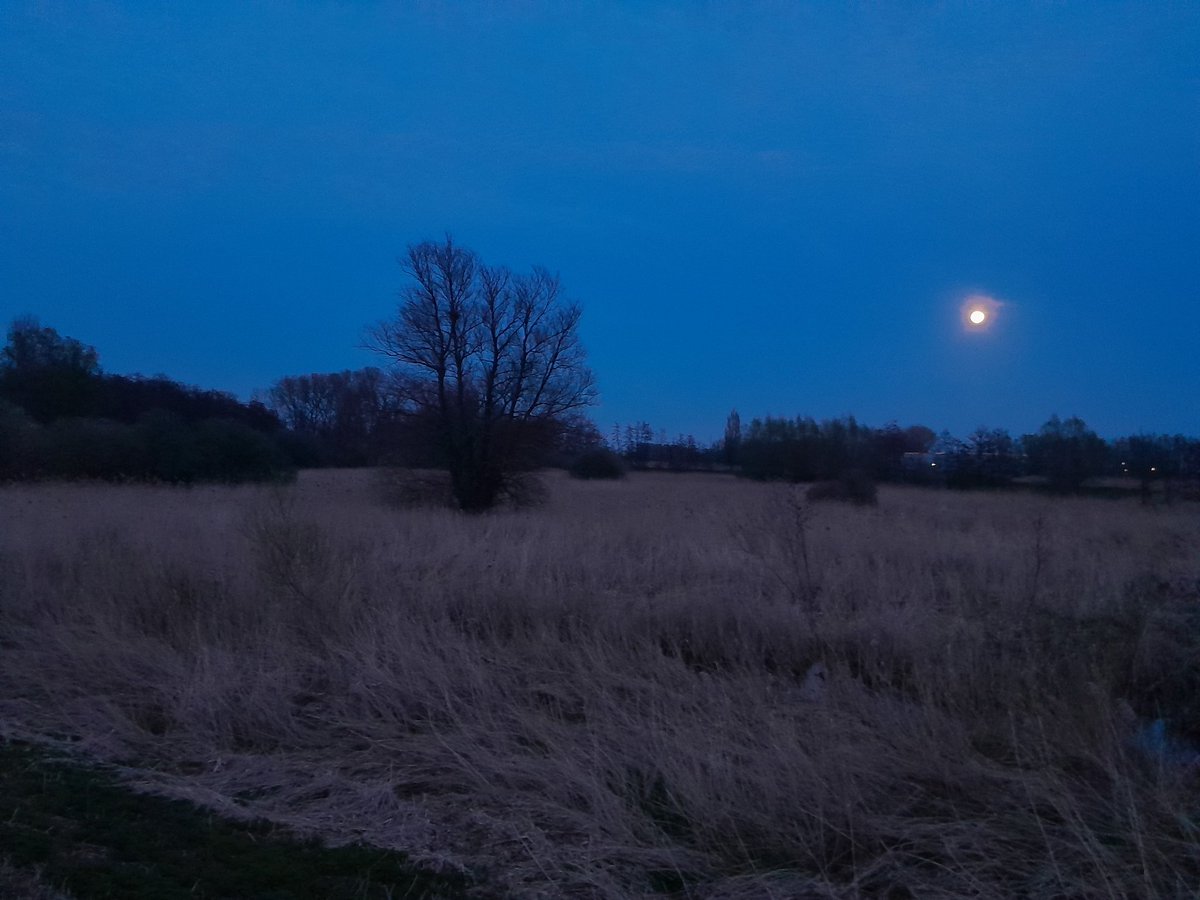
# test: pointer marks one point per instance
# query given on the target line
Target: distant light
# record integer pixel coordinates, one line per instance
(1153, 469)
(978, 316)
(933, 464)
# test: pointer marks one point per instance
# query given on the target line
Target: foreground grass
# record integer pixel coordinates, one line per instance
(85, 833)
(671, 685)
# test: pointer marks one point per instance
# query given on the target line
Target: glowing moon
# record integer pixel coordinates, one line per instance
(980, 312)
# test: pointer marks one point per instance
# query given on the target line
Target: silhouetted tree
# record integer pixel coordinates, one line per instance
(1157, 458)
(18, 442)
(488, 363)
(918, 439)
(47, 375)
(639, 443)
(577, 436)
(682, 455)
(597, 463)
(1066, 452)
(987, 458)
(1145, 456)
(127, 398)
(344, 413)
(61, 417)
(889, 444)
(732, 445)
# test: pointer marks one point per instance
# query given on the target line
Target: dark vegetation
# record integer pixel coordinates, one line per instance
(1063, 456)
(62, 417)
(486, 383)
(599, 462)
(487, 367)
(340, 419)
(853, 486)
(94, 838)
(484, 425)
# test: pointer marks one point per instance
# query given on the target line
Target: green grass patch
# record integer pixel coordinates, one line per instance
(94, 838)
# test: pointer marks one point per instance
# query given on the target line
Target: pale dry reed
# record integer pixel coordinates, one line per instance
(607, 696)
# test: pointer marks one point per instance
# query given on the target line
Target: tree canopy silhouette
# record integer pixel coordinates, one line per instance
(488, 366)
(47, 375)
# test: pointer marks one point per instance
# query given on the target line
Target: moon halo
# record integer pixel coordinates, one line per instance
(979, 312)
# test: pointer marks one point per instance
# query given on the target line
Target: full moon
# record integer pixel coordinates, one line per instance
(980, 312)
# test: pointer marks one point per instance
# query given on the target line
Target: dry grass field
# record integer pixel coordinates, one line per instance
(671, 685)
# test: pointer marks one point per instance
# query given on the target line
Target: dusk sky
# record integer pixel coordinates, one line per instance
(776, 207)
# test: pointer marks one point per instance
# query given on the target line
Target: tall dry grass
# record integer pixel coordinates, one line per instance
(679, 684)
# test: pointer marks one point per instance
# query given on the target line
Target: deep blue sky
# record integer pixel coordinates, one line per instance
(777, 207)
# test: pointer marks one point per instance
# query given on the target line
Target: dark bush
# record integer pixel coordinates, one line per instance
(854, 486)
(525, 490)
(597, 463)
(170, 446)
(303, 451)
(161, 447)
(18, 442)
(92, 448)
(415, 488)
(231, 451)
(210, 450)
(61, 417)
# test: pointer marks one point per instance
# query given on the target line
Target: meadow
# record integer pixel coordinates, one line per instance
(671, 685)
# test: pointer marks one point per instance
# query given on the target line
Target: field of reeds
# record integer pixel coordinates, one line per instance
(688, 686)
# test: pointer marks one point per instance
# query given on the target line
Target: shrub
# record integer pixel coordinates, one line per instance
(415, 488)
(92, 448)
(18, 442)
(854, 486)
(597, 463)
(228, 450)
(525, 490)
(180, 452)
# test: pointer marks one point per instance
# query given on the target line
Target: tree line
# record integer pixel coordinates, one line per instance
(483, 376)
(1063, 455)
(62, 416)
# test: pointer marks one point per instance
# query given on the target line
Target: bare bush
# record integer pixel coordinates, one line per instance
(597, 463)
(854, 486)
(431, 489)
(415, 488)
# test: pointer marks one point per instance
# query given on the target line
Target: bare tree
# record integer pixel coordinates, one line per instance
(488, 366)
(732, 445)
(345, 413)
